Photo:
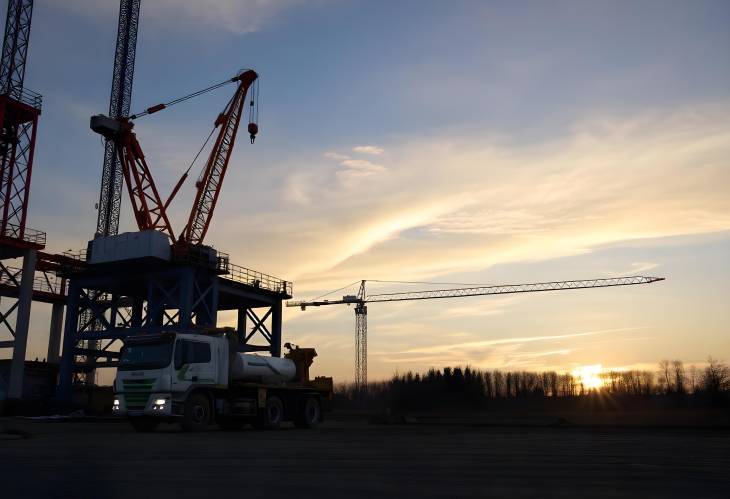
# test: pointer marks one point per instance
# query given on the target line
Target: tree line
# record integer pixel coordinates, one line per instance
(475, 387)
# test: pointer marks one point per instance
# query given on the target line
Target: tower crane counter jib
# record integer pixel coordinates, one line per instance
(150, 210)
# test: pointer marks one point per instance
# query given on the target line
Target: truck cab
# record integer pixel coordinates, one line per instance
(199, 379)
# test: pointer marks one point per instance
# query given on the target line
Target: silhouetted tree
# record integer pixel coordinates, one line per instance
(693, 378)
(665, 376)
(679, 376)
(454, 387)
(716, 377)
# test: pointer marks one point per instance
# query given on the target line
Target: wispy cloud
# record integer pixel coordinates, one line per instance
(374, 150)
(505, 341)
(353, 169)
(480, 203)
(525, 352)
(336, 156)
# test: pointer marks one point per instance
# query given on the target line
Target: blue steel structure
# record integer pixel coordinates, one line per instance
(152, 295)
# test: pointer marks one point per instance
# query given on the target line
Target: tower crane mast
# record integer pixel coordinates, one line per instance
(110, 195)
(361, 300)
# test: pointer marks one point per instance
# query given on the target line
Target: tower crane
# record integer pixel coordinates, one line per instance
(361, 299)
(120, 98)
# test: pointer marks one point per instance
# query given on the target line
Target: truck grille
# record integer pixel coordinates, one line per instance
(137, 393)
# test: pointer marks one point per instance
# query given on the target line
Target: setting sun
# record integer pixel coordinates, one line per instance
(589, 376)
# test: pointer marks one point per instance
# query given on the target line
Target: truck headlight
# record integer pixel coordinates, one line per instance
(159, 405)
(160, 401)
(115, 406)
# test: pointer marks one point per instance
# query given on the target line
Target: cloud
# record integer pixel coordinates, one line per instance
(524, 352)
(640, 267)
(439, 206)
(504, 341)
(374, 150)
(336, 156)
(354, 170)
(235, 16)
(362, 165)
(483, 308)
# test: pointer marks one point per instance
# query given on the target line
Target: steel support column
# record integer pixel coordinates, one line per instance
(25, 298)
(54, 334)
(241, 325)
(65, 376)
(276, 329)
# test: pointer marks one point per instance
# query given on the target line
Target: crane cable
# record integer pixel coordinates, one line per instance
(400, 282)
(184, 176)
(336, 290)
(160, 107)
(432, 283)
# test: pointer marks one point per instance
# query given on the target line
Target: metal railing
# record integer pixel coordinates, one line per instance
(29, 235)
(259, 280)
(44, 282)
(27, 97)
(219, 261)
(79, 255)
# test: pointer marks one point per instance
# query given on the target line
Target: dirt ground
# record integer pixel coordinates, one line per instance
(351, 458)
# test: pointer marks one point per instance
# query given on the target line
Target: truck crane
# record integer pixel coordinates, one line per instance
(361, 299)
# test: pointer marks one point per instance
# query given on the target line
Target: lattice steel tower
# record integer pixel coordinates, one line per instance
(19, 111)
(110, 196)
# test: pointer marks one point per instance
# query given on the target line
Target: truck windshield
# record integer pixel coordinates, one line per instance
(146, 356)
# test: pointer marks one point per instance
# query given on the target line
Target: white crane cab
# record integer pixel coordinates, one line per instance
(200, 379)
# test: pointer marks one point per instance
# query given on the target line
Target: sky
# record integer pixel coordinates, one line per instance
(442, 142)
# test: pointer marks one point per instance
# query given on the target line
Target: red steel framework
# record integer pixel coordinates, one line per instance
(208, 187)
(147, 205)
(150, 211)
(19, 112)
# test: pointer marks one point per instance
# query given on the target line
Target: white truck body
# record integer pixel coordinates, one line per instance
(159, 375)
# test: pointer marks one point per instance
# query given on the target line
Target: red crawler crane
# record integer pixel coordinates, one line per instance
(150, 211)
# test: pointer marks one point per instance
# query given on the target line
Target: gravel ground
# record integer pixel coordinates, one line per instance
(355, 459)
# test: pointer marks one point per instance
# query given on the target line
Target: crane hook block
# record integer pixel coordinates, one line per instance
(253, 129)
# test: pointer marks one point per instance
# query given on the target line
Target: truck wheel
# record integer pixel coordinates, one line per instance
(197, 413)
(227, 423)
(272, 415)
(143, 425)
(310, 413)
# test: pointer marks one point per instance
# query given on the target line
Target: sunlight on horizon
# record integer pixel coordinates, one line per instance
(590, 376)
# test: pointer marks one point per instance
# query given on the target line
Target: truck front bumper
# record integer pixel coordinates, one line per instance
(157, 404)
